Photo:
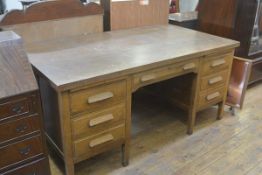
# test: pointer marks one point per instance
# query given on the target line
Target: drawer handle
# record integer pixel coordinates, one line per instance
(213, 96)
(17, 109)
(215, 80)
(147, 77)
(100, 120)
(218, 62)
(101, 140)
(25, 151)
(100, 97)
(189, 66)
(21, 128)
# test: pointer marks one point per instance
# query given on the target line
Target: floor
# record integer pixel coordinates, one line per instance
(231, 146)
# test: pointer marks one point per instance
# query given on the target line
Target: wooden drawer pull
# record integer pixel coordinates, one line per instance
(147, 77)
(213, 96)
(218, 62)
(100, 97)
(21, 128)
(100, 120)
(189, 66)
(101, 140)
(25, 151)
(215, 80)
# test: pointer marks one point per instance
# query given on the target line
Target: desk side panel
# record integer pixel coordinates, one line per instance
(51, 114)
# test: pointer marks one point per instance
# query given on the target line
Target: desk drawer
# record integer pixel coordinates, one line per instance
(38, 167)
(216, 63)
(17, 128)
(20, 151)
(211, 96)
(97, 98)
(93, 123)
(17, 107)
(158, 74)
(214, 80)
(99, 143)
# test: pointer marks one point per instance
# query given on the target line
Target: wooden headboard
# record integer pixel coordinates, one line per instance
(54, 19)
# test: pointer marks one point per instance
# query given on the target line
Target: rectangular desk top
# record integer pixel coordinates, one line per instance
(83, 59)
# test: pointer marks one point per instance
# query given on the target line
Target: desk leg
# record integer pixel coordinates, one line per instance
(66, 133)
(193, 105)
(220, 111)
(126, 145)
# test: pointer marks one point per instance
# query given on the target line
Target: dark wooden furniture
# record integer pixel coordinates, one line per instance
(136, 13)
(236, 19)
(22, 144)
(240, 74)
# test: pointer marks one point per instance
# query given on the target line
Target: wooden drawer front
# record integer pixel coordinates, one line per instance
(39, 167)
(99, 143)
(17, 128)
(20, 151)
(211, 96)
(218, 63)
(94, 123)
(98, 98)
(155, 75)
(214, 80)
(16, 108)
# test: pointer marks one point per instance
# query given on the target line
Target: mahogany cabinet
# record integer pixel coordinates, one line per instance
(236, 19)
(22, 143)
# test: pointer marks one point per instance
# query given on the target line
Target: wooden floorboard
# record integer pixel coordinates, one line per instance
(231, 146)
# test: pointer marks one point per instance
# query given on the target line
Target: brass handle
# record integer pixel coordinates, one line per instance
(147, 77)
(189, 66)
(100, 97)
(101, 140)
(215, 80)
(213, 96)
(25, 151)
(21, 128)
(17, 109)
(100, 120)
(218, 62)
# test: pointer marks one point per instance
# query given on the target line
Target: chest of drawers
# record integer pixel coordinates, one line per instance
(22, 144)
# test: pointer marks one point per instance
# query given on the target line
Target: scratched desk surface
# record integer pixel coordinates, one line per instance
(84, 58)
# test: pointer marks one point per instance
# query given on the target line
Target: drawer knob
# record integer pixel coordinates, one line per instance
(218, 62)
(25, 151)
(213, 96)
(146, 78)
(100, 120)
(101, 140)
(100, 97)
(189, 66)
(215, 80)
(17, 109)
(21, 128)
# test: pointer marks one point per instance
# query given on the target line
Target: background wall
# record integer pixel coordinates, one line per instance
(188, 5)
(13, 4)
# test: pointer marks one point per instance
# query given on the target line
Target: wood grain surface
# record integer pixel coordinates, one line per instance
(82, 59)
(16, 75)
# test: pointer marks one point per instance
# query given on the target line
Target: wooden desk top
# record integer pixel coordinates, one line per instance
(16, 75)
(79, 60)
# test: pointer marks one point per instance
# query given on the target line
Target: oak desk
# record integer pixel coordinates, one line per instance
(86, 82)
